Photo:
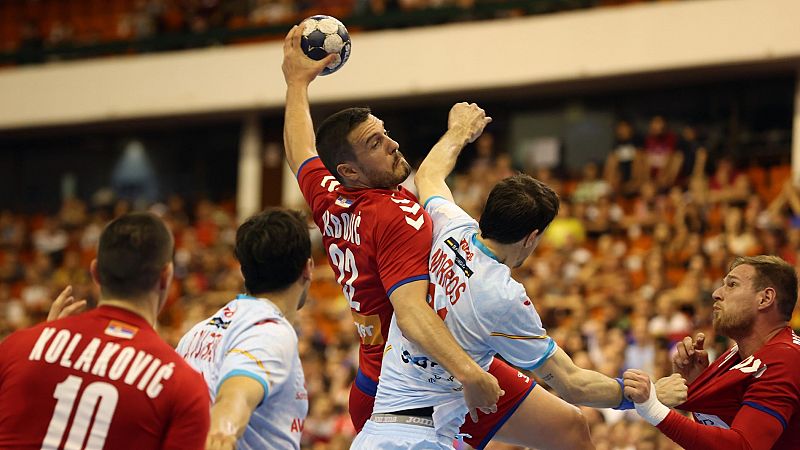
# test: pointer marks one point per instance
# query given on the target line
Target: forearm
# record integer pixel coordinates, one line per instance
(588, 388)
(577, 385)
(229, 417)
(427, 331)
(298, 128)
(431, 175)
(443, 156)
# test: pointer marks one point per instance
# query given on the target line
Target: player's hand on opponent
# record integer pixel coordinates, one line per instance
(65, 305)
(481, 393)
(690, 359)
(637, 385)
(672, 390)
(468, 118)
(220, 441)
(297, 67)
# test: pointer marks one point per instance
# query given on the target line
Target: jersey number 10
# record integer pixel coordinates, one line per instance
(66, 392)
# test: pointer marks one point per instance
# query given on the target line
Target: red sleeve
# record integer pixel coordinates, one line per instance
(315, 181)
(776, 391)
(751, 430)
(404, 236)
(191, 417)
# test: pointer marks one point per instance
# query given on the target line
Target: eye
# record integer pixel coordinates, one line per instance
(731, 284)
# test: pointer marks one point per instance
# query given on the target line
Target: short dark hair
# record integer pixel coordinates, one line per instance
(272, 248)
(132, 251)
(774, 272)
(332, 144)
(516, 206)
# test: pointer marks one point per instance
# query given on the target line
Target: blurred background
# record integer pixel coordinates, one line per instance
(669, 129)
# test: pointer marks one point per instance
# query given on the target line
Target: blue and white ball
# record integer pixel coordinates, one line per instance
(324, 35)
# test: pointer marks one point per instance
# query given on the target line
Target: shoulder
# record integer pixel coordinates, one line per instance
(496, 285)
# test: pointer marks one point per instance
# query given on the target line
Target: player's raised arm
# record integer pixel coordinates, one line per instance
(299, 71)
(464, 124)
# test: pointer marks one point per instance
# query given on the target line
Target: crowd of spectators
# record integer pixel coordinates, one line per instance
(625, 270)
(40, 25)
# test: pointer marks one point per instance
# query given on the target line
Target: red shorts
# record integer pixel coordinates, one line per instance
(516, 385)
(362, 400)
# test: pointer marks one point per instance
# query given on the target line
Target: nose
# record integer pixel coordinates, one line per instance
(393, 145)
(716, 294)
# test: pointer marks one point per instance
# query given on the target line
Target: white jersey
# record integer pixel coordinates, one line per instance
(251, 337)
(486, 311)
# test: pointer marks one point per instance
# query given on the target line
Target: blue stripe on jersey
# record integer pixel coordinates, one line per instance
(245, 297)
(505, 418)
(544, 358)
(425, 206)
(405, 281)
(483, 248)
(366, 385)
(769, 411)
(248, 374)
(304, 164)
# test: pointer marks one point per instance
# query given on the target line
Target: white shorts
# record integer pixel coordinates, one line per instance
(393, 436)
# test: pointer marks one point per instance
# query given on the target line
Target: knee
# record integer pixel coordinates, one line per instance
(578, 430)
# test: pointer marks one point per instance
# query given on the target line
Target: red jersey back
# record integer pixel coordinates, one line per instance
(767, 381)
(100, 380)
(376, 241)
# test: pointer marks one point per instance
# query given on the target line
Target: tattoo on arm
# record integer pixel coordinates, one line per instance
(548, 377)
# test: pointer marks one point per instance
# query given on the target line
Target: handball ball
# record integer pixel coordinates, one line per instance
(324, 35)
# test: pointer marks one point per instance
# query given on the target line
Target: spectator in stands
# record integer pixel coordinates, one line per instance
(661, 159)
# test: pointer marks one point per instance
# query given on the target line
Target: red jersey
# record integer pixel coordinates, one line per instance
(376, 240)
(100, 380)
(747, 397)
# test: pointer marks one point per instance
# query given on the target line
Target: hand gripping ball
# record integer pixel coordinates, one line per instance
(324, 35)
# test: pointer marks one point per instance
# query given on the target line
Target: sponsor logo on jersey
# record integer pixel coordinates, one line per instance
(711, 420)
(795, 339)
(121, 330)
(228, 312)
(297, 425)
(219, 323)
(344, 202)
(369, 328)
(459, 259)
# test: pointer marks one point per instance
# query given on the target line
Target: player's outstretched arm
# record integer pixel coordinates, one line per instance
(424, 328)
(298, 71)
(751, 429)
(465, 123)
(580, 386)
(236, 400)
(577, 385)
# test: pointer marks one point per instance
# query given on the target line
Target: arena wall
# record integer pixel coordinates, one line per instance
(523, 52)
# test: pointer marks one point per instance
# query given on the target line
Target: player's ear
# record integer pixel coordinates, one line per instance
(166, 277)
(766, 298)
(531, 238)
(348, 171)
(308, 270)
(93, 272)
